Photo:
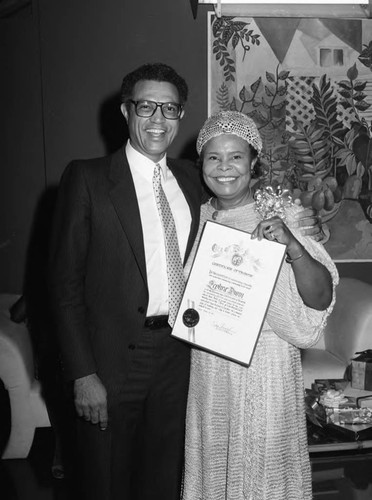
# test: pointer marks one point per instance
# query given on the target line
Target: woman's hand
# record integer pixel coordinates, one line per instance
(309, 222)
(313, 280)
(275, 229)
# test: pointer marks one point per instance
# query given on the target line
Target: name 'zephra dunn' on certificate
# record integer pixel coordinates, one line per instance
(228, 292)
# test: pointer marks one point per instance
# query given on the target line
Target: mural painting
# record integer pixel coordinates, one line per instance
(307, 83)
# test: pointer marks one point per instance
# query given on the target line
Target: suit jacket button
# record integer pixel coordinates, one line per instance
(141, 309)
(131, 347)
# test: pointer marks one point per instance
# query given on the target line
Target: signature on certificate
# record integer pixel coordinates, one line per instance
(224, 328)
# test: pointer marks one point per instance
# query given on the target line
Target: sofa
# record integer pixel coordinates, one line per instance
(27, 406)
(348, 330)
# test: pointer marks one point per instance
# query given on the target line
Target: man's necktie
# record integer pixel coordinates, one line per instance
(174, 263)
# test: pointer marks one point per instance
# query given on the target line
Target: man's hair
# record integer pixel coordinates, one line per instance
(157, 72)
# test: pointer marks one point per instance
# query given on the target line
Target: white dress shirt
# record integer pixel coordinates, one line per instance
(142, 170)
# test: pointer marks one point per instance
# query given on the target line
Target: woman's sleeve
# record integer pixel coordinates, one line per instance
(288, 316)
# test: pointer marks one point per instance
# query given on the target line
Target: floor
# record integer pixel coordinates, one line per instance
(31, 478)
(342, 476)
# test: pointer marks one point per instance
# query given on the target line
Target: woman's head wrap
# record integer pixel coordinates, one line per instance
(230, 122)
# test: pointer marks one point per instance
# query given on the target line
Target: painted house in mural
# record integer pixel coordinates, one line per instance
(328, 47)
(308, 49)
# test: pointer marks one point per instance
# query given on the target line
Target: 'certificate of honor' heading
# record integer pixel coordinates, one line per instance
(228, 292)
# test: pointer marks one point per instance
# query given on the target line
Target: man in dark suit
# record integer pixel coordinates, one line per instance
(110, 298)
(109, 294)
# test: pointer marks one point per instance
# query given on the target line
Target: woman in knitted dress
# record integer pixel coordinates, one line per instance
(245, 427)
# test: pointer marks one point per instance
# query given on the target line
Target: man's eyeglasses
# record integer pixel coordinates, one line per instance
(145, 109)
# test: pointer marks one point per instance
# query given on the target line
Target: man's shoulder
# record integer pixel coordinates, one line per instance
(188, 176)
(93, 166)
(184, 166)
(99, 161)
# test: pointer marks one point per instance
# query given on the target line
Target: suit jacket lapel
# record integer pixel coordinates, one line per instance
(124, 199)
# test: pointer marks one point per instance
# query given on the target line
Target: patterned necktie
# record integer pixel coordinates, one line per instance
(174, 263)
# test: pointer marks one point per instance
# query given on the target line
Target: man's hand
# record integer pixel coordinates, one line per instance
(310, 224)
(91, 400)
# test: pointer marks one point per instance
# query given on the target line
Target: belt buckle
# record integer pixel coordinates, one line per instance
(151, 323)
(154, 322)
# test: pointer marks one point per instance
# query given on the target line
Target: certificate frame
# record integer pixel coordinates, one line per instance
(228, 292)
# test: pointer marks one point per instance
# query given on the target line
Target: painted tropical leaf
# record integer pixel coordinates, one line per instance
(240, 25)
(283, 75)
(268, 91)
(366, 55)
(345, 154)
(233, 106)
(352, 73)
(359, 96)
(360, 169)
(222, 97)
(255, 85)
(362, 106)
(279, 106)
(226, 30)
(219, 23)
(325, 107)
(362, 147)
(346, 94)
(227, 34)
(311, 148)
(345, 85)
(360, 86)
(277, 122)
(244, 94)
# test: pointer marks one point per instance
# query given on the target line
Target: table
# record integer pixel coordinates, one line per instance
(327, 440)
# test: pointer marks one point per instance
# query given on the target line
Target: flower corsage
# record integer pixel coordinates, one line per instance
(270, 202)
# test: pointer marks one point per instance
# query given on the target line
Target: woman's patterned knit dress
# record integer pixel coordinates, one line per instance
(245, 427)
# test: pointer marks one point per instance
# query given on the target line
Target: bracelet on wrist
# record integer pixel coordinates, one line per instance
(290, 260)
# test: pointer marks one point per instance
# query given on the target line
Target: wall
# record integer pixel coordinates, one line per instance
(22, 174)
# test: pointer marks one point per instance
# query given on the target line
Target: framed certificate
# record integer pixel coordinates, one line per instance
(228, 292)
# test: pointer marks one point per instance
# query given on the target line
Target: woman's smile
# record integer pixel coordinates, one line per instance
(225, 179)
(227, 164)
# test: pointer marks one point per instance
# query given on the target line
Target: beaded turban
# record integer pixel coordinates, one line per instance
(230, 122)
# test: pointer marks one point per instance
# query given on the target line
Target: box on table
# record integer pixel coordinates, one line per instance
(350, 416)
(354, 424)
(361, 371)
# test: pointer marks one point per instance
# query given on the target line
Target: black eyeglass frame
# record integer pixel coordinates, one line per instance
(157, 105)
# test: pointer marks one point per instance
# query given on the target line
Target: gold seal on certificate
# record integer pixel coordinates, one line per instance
(228, 292)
